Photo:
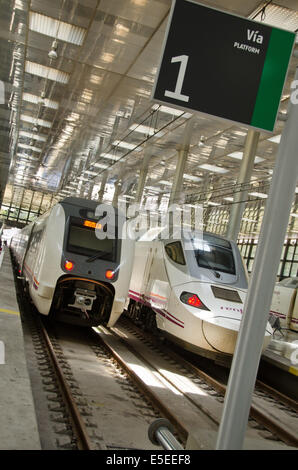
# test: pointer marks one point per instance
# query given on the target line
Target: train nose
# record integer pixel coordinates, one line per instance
(221, 334)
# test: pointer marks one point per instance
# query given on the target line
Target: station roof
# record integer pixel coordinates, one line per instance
(78, 76)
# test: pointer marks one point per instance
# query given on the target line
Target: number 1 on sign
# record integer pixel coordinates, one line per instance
(177, 93)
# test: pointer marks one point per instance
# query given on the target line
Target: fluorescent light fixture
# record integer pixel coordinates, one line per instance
(294, 215)
(46, 72)
(37, 100)
(210, 203)
(229, 198)
(213, 168)
(153, 188)
(165, 182)
(143, 129)
(275, 139)
(27, 157)
(109, 156)
(192, 178)
(25, 164)
(100, 165)
(239, 156)
(33, 136)
(126, 145)
(261, 195)
(107, 57)
(56, 29)
(30, 147)
(89, 172)
(33, 120)
(168, 110)
(146, 130)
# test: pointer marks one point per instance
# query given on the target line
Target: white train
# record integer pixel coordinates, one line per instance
(193, 290)
(70, 273)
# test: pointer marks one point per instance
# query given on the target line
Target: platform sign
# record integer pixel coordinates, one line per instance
(223, 65)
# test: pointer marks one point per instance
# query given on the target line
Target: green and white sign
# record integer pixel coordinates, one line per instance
(223, 65)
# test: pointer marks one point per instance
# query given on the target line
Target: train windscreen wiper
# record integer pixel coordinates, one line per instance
(99, 254)
(215, 272)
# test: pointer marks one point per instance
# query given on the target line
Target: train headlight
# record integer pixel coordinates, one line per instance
(193, 300)
(69, 265)
(109, 274)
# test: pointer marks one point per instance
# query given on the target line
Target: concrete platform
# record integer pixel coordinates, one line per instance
(18, 425)
(279, 363)
(283, 351)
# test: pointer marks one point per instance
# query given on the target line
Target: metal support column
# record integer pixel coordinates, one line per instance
(257, 305)
(240, 196)
(142, 178)
(141, 185)
(90, 189)
(102, 188)
(182, 158)
(116, 193)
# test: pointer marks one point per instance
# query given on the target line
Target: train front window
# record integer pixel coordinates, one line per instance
(214, 253)
(82, 240)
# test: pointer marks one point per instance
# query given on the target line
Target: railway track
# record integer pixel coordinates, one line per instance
(273, 417)
(156, 383)
(91, 402)
(152, 382)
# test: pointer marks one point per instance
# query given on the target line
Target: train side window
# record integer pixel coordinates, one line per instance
(175, 252)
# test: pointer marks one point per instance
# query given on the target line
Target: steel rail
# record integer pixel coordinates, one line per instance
(270, 423)
(156, 402)
(84, 442)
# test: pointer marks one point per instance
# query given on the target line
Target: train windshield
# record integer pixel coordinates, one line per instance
(82, 240)
(214, 253)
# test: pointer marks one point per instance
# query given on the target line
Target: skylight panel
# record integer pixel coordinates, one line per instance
(46, 72)
(275, 139)
(239, 156)
(56, 29)
(277, 16)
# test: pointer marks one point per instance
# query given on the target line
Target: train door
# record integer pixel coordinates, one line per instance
(158, 287)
